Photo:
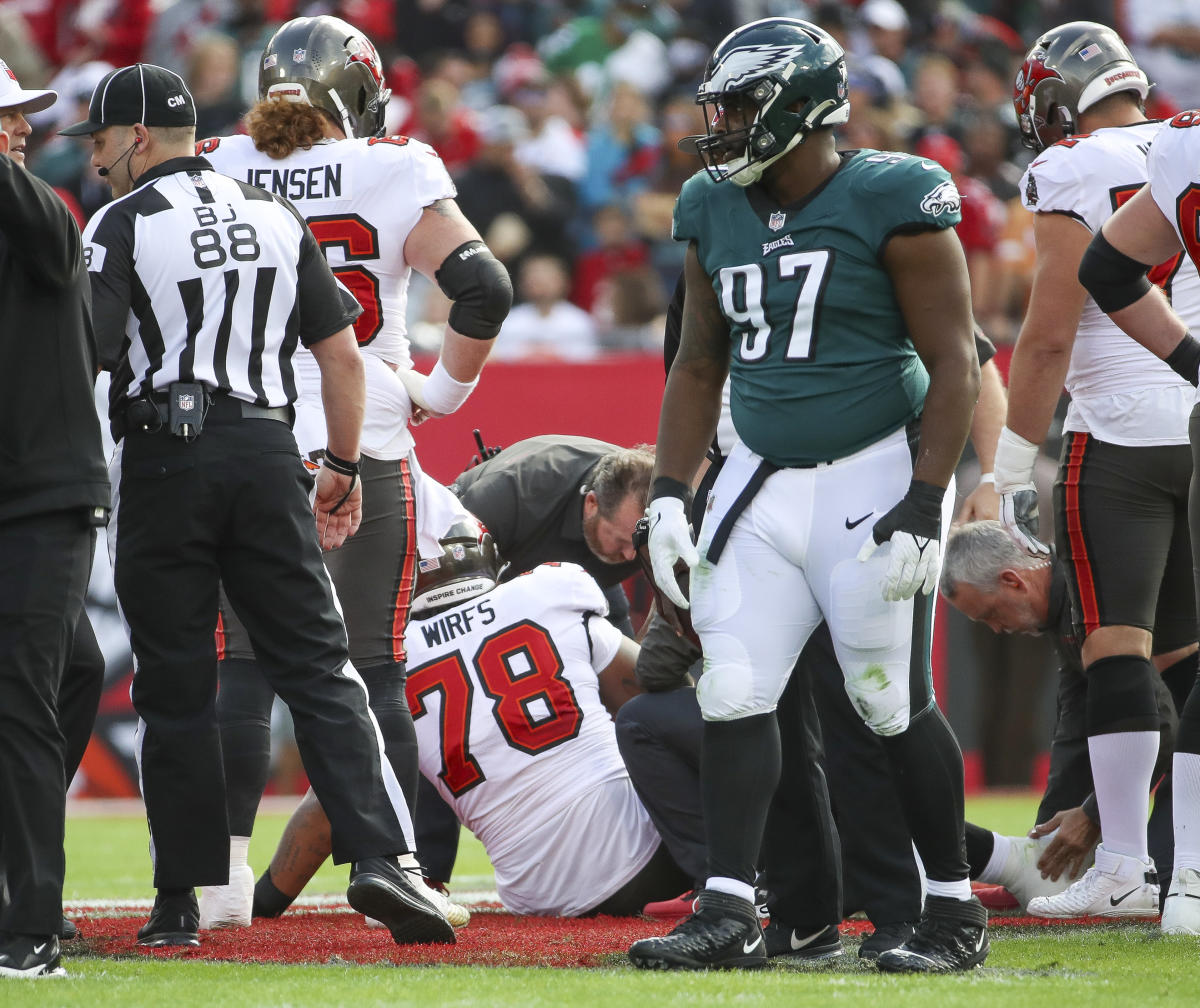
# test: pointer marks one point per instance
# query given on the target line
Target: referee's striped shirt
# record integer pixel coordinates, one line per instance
(199, 277)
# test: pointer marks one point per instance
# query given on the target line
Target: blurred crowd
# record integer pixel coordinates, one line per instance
(560, 119)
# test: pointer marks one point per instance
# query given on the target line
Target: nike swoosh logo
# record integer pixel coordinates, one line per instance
(1117, 902)
(797, 945)
(854, 524)
(37, 949)
(927, 166)
(748, 947)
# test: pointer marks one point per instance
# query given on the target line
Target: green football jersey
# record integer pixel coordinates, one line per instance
(821, 362)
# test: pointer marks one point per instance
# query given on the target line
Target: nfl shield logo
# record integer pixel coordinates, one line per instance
(458, 552)
(775, 222)
(299, 55)
(187, 402)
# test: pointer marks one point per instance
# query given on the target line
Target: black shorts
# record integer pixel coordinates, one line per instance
(1120, 524)
(374, 572)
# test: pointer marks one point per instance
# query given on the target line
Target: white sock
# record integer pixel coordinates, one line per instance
(1185, 797)
(960, 890)
(408, 861)
(993, 871)
(1122, 765)
(239, 851)
(731, 886)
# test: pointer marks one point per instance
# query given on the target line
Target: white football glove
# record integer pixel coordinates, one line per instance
(914, 529)
(670, 540)
(1015, 459)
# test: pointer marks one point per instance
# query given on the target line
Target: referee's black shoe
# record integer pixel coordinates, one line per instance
(381, 889)
(23, 955)
(175, 920)
(950, 936)
(802, 944)
(723, 933)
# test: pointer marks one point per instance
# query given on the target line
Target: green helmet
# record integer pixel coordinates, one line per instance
(331, 65)
(792, 72)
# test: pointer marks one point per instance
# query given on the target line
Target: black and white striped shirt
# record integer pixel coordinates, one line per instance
(199, 277)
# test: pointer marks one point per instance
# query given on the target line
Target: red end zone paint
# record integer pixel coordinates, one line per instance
(491, 939)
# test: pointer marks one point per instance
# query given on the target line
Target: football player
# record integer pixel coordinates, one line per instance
(1154, 225)
(512, 688)
(1126, 465)
(379, 206)
(833, 290)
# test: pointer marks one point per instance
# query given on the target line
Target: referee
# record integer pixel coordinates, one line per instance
(202, 288)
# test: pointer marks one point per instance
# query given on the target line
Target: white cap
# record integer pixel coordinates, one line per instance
(14, 97)
(885, 14)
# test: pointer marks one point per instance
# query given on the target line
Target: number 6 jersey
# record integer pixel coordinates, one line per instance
(361, 198)
(511, 730)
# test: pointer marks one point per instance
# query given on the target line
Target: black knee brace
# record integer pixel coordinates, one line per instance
(1120, 695)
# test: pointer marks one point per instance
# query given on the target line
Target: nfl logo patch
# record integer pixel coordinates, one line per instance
(775, 221)
(299, 55)
(187, 402)
(458, 552)
(198, 181)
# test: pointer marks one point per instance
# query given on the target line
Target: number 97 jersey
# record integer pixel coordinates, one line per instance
(361, 198)
(821, 362)
(511, 730)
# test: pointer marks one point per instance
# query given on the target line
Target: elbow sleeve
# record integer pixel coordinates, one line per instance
(479, 285)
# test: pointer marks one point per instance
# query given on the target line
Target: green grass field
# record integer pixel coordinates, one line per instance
(1032, 967)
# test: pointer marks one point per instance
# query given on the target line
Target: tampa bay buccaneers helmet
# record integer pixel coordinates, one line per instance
(331, 65)
(469, 565)
(1068, 70)
(792, 74)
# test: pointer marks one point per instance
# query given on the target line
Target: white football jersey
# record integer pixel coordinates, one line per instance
(361, 198)
(511, 730)
(1120, 392)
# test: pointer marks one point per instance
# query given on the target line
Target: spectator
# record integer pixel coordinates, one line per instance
(622, 149)
(545, 323)
(442, 122)
(617, 250)
(212, 78)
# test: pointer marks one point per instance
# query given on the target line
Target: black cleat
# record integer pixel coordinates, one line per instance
(381, 889)
(723, 933)
(175, 920)
(884, 937)
(950, 936)
(68, 931)
(30, 956)
(803, 944)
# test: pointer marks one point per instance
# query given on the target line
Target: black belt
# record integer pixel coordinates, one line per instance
(222, 407)
(716, 545)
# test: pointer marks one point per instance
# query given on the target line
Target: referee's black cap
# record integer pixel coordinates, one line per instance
(142, 93)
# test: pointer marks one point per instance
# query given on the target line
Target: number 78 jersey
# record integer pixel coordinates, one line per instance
(511, 730)
(821, 363)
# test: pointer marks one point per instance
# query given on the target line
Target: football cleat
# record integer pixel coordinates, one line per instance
(883, 938)
(1021, 875)
(723, 933)
(30, 956)
(457, 914)
(680, 906)
(802, 944)
(381, 889)
(1116, 886)
(68, 930)
(951, 936)
(174, 921)
(228, 906)
(1181, 911)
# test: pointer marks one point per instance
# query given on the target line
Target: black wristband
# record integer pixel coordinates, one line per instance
(339, 465)
(665, 486)
(1184, 360)
(926, 499)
